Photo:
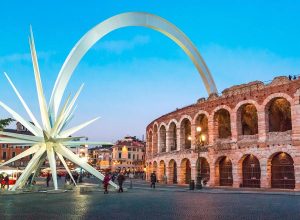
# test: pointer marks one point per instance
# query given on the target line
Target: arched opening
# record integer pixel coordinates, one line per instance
(172, 172)
(279, 115)
(225, 172)
(251, 172)
(202, 122)
(185, 171)
(154, 140)
(203, 169)
(185, 134)
(222, 123)
(162, 139)
(282, 171)
(149, 143)
(155, 167)
(150, 170)
(162, 171)
(172, 136)
(247, 120)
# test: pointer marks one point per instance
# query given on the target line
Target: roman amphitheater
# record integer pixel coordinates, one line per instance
(250, 137)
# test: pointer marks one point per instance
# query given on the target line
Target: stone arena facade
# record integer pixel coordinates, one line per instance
(252, 138)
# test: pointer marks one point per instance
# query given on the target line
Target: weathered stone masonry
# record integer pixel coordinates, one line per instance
(252, 135)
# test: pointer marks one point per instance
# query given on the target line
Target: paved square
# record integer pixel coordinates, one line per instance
(149, 204)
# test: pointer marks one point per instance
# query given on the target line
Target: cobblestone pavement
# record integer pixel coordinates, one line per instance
(148, 204)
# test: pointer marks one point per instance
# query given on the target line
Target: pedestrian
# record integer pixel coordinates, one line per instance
(153, 179)
(29, 180)
(113, 177)
(75, 177)
(105, 183)
(48, 178)
(2, 181)
(121, 179)
(6, 180)
(68, 179)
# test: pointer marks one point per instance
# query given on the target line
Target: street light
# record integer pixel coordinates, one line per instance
(200, 140)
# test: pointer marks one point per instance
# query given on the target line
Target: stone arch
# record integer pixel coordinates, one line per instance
(155, 167)
(172, 136)
(247, 119)
(203, 169)
(222, 122)
(201, 121)
(185, 171)
(185, 133)
(162, 171)
(278, 115)
(281, 170)
(120, 21)
(249, 171)
(155, 139)
(172, 121)
(162, 142)
(149, 170)
(200, 112)
(149, 141)
(172, 171)
(223, 171)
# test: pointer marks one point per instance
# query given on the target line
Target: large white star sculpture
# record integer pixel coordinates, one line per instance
(51, 138)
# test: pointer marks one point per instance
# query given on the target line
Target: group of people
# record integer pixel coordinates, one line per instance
(75, 176)
(108, 177)
(4, 181)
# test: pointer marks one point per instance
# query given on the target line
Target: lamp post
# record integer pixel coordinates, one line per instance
(200, 139)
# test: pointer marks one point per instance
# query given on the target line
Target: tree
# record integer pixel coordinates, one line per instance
(5, 122)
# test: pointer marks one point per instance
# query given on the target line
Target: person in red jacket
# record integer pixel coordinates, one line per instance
(105, 183)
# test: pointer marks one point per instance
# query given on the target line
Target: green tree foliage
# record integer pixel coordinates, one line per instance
(5, 122)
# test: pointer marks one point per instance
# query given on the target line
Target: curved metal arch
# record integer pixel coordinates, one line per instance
(116, 22)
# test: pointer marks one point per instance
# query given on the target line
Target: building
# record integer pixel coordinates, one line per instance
(251, 138)
(101, 156)
(128, 154)
(8, 151)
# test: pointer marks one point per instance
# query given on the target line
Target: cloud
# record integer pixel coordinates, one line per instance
(119, 46)
(21, 57)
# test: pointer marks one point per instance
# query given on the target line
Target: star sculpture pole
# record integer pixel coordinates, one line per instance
(49, 138)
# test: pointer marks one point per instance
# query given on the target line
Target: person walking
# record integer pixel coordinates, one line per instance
(6, 180)
(2, 181)
(121, 179)
(48, 178)
(105, 183)
(153, 180)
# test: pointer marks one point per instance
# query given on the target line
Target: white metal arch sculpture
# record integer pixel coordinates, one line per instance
(116, 22)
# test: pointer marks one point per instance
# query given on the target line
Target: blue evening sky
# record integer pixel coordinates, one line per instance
(134, 75)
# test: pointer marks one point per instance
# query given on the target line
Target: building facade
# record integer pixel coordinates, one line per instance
(251, 138)
(128, 155)
(101, 157)
(8, 151)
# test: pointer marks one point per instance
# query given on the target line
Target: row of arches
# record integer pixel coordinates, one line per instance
(281, 168)
(179, 135)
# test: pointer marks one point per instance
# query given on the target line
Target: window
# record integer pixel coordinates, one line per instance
(13, 154)
(129, 156)
(137, 157)
(129, 149)
(4, 155)
(133, 156)
(120, 155)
